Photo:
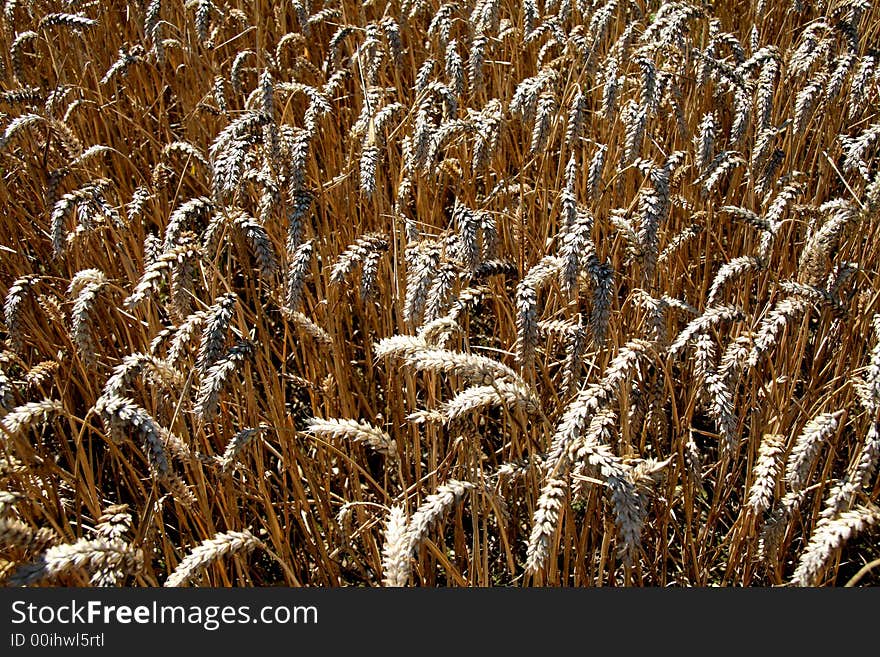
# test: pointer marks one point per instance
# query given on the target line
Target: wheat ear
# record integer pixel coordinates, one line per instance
(209, 551)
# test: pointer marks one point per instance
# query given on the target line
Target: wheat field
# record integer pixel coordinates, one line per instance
(424, 293)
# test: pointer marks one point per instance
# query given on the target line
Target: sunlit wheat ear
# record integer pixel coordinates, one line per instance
(16, 53)
(501, 392)
(299, 203)
(720, 406)
(728, 272)
(209, 551)
(84, 287)
(395, 558)
(401, 346)
(785, 312)
(438, 295)
(19, 124)
(657, 310)
(41, 374)
(828, 538)
(636, 120)
(369, 161)
(611, 88)
(486, 133)
(362, 252)
(307, 326)
(577, 110)
(181, 337)
(114, 522)
(476, 59)
(776, 525)
(237, 69)
(489, 247)
(474, 368)
(860, 83)
(856, 150)
(186, 216)
(782, 201)
(6, 392)
(803, 455)
(135, 207)
(422, 263)
(577, 247)
(215, 378)
(74, 22)
(602, 275)
(545, 113)
(231, 152)
(595, 170)
(30, 414)
(812, 265)
(432, 511)
(125, 373)
(721, 165)
(359, 431)
(527, 306)
(591, 450)
(486, 16)
(16, 534)
(260, 243)
(437, 333)
(704, 358)
(236, 445)
(765, 473)
(369, 274)
(88, 556)
(216, 326)
(544, 523)
(710, 318)
(704, 142)
(454, 68)
(125, 59)
(121, 418)
(177, 265)
(868, 382)
(807, 100)
(651, 212)
(525, 98)
(297, 271)
(842, 494)
(579, 413)
(152, 250)
(844, 65)
(765, 142)
(84, 202)
(466, 246)
(12, 310)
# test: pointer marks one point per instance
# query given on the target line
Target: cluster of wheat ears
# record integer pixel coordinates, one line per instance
(559, 292)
